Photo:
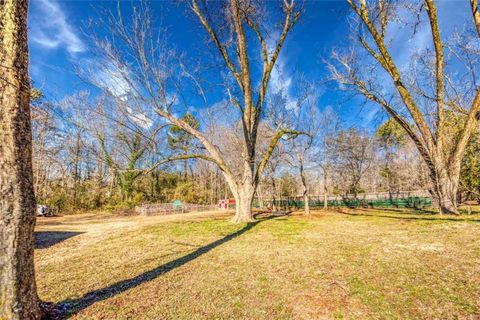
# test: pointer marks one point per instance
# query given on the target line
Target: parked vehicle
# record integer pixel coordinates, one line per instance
(42, 210)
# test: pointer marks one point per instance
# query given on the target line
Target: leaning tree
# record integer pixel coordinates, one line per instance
(139, 58)
(18, 294)
(440, 81)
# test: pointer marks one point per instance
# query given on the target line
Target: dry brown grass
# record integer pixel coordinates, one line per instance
(363, 264)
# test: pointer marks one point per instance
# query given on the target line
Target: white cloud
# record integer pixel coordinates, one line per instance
(280, 82)
(50, 28)
(139, 118)
(113, 80)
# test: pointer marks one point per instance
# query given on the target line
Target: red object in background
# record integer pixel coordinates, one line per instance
(224, 203)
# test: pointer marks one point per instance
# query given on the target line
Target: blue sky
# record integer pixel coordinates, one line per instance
(59, 41)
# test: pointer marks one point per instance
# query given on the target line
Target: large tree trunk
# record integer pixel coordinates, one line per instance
(243, 203)
(243, 191)
(18, 295)
(444, 191)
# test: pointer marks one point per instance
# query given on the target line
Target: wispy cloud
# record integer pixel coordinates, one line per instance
(452, 16)
(50, 28)
(111, 78)
(139, 118)
(281, 81)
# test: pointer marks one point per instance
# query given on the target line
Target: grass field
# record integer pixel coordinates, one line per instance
(360, 264)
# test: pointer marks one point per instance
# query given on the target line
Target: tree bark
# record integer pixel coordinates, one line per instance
(306, 200)
(306, 197)
(444, 191)
(18, 295)
(243, 203)
(325, 189)
(243, 191)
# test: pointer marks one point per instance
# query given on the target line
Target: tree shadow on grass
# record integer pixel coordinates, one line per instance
(68, 308)
(46, 239)
(431, 217)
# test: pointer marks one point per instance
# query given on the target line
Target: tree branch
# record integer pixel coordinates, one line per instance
(476, 14)
(271, 148)
(439, 66)
(176, 158)
(217, 42)
(468, 128)
(392, 70)
(291, 18)
(211, 148)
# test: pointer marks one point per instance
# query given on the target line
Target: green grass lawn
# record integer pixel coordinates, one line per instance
(362, 264)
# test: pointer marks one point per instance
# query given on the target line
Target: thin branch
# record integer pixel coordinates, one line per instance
(439, 73)
(217, 42)
(271, 148)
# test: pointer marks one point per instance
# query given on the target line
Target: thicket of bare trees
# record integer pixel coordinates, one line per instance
(105, 163)
(119, 148)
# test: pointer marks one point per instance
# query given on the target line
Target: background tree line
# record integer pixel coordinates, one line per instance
(128, 134)
(77, 162)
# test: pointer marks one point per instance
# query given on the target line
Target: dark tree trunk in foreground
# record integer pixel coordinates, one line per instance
(18, 295)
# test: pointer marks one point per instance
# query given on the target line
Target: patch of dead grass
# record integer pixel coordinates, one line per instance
(362, 265)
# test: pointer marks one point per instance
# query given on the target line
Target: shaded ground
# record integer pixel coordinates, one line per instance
(45, 239)
(359, 264)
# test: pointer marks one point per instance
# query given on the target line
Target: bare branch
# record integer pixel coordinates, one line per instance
(216, 40)
(389, 66)
(439, 73)
(476, 14)
(271, 148)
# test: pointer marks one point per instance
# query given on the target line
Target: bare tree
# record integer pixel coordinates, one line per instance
(122, 138)
(305, 149)
(18, 294)
(330, 124)
(420, 101)
(353, 157)
(151, 70)
(272, 170)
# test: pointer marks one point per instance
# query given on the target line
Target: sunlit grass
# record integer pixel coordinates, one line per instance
(365, 264)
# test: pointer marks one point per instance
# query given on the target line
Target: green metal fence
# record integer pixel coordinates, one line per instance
(410, 202)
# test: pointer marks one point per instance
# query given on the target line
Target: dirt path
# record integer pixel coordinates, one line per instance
(94, 223)
(83, 230)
